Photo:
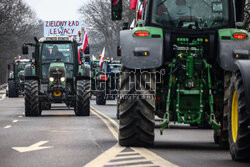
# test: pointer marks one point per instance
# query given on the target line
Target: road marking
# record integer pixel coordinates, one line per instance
(20, 116)
(7, 127)
(108, 124)
(23, 113)
(33, 147)
(59, 131)
(125, 156)
(3, 97)
(14, 121)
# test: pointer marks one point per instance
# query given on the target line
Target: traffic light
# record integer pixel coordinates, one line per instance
(116, 9)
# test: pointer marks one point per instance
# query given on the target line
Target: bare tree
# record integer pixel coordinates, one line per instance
(102, 31)
(18, 23)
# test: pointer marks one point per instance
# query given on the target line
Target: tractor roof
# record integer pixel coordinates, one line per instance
(57, 38)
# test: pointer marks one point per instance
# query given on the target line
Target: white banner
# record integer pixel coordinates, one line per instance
(62, 28)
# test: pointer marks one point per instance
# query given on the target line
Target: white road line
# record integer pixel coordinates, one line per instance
(8, 126)
(111, 120)
(105, 157)
(20, 116)
(130, 162)
(3, 97)
(108, 124)
(33, 147)
(14, 121)
(111, 154)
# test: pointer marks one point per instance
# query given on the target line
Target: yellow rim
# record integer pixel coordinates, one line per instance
(234, 117)
(57, 93)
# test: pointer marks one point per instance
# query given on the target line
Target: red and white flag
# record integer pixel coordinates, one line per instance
(85, 41)
(102, 57)
(133, 4)
(115, 2)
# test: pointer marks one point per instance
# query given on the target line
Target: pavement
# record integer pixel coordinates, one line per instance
(59, 138)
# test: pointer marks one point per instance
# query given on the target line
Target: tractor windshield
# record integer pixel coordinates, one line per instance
(115, 68)
(57, 52)
(190, 14)
(95, 64)
(21, 65)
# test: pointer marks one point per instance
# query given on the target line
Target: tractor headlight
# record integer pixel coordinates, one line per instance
(51, 79)
(62, 79)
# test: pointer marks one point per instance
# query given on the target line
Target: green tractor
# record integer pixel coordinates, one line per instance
(16, 77)
(107, 81)
(95, 67)
(57, 76)
(186, 61)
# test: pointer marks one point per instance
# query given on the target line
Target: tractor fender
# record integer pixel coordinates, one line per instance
(244, 67)
(134, 48)
(226, 50)
(28, 71)
(84, 72)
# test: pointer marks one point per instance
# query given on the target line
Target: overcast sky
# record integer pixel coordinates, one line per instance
(56, 9)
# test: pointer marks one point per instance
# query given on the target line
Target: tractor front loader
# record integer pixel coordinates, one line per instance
(186, 61)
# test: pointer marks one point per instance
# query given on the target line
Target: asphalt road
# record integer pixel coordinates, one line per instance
(59, 138)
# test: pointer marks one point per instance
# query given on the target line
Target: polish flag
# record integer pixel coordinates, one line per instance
(102, 57)
(115, 2)
(79, 55)
(85, 41)
(133, 4)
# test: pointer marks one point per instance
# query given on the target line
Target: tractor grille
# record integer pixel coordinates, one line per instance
(57, 73)
(21, 76)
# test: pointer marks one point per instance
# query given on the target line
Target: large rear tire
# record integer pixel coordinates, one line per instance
(136, 114)
(82, 107)
(13, 91)
(238, 120)
(32, 104)
(100, 95)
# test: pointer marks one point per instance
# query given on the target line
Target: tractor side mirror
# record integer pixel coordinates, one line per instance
(116, 9)
(86, 51)
(125, 26)
(25, 49)
(33, 55)
(8, 66)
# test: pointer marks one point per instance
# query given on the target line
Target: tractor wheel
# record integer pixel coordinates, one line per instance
(136, 114)
(32, 104)
(82, 107)
(100, 95)
(13, 91)
(117, 110)
(238, 120)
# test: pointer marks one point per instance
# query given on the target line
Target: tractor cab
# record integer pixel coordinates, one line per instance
(190, 14)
